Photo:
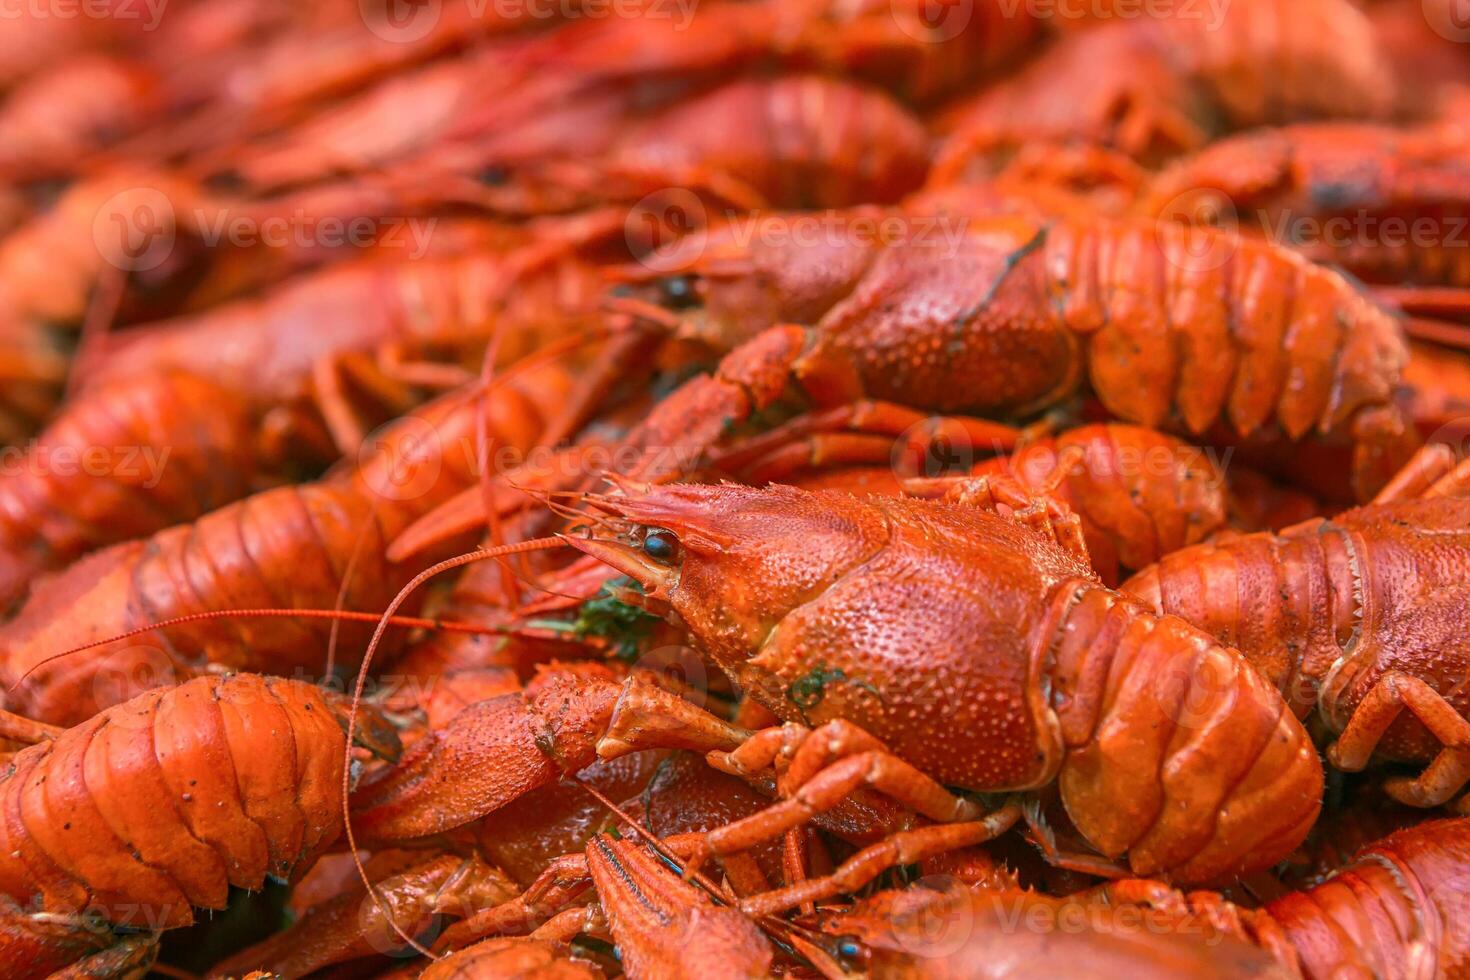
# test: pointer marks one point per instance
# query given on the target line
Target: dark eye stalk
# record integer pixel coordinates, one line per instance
(678, 292)
(661, 546)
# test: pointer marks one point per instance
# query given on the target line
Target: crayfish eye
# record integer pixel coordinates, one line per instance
(849, 949)
(494, 175)
(661, 546)
(677, 292)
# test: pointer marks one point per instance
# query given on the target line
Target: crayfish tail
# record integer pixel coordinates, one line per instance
(1179, 754)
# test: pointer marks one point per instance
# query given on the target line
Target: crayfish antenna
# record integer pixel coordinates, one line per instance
(484, 441)
(383, 623)
(331, 659)
(340, 615)
(653, 840)
(101, 311)
(494, 496)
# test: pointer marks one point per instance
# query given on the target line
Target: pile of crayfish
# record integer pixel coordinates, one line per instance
(735, 488)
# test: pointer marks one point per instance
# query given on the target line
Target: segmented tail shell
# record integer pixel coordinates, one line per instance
(121, 462)
(1200, 327)
(159, 805)
(1398, 911)
(1140, 494)
(1177, 752)
(290, 547)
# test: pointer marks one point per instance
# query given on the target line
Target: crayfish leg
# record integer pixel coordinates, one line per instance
(1455, 483)
(842, 759)
(1383, 442)
(336, 380)
(1425, 470)
(904, 847)
(921, 437)
(648, 717)
(354, 924)
(1008, 497)
(1393, 694)
(514, 958)
(1045, 839)
(27, 731)
(492, 753)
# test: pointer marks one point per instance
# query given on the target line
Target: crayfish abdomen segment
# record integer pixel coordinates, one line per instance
(1325, 610)
(163, 802)
(1198, 327)
(1270, 596)
(1177, 752)
(1397, 911)
(1409, 565)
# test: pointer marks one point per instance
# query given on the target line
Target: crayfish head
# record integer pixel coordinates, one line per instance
(717, 287)
(728, 562)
